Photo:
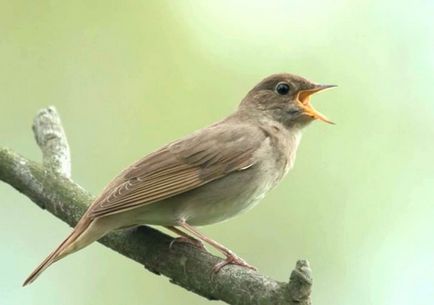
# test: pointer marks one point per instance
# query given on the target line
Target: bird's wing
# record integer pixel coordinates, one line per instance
(184, 165)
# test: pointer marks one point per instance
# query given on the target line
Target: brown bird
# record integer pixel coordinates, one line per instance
(207, 177)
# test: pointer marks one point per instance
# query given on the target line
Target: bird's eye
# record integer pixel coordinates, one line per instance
(282, 88)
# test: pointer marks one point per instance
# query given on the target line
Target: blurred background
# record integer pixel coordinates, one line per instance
(130, 76)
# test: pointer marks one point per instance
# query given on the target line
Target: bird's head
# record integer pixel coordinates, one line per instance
(286, 99)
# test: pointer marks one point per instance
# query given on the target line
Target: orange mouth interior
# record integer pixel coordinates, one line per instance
(304, 98)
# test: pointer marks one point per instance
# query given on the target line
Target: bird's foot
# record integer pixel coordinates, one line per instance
(191, 241)
(232, 259)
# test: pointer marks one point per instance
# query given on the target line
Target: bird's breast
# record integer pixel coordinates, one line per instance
(282, 148)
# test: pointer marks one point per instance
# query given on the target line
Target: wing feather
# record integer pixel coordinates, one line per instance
(179, 167)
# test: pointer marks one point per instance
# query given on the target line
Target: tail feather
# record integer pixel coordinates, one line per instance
(65, 248)
(47, 262)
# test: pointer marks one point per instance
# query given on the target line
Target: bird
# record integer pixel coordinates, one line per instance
(209, 176)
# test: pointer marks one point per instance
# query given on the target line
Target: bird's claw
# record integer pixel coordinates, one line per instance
(191, 241)
(232, 259)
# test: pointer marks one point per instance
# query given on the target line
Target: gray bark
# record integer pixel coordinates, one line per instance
(49, 186)
(51, 139)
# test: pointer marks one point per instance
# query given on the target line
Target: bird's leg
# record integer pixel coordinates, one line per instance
(231, 257)
(185, 238)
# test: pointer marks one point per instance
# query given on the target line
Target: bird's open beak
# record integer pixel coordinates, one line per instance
(304, 98)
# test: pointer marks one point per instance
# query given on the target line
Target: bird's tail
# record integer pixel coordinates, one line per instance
(84, 233)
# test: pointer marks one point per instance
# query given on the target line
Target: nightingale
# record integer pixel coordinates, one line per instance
(208, 176)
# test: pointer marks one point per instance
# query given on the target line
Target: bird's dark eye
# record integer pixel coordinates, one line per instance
(282, 88)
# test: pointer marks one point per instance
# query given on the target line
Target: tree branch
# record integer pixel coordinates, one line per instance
(49, 186)
(51, 139)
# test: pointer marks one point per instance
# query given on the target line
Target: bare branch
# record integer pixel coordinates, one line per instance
(184, 265)
(51, 138)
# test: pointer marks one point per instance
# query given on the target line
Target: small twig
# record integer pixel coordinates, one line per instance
(183, 265)
(51, 138)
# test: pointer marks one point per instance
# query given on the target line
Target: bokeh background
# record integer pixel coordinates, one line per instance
(129, 76)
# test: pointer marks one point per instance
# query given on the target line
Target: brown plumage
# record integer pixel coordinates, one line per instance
(209, 176)
(177, 168)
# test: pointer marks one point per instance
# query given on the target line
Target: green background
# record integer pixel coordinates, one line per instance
(129, 76)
